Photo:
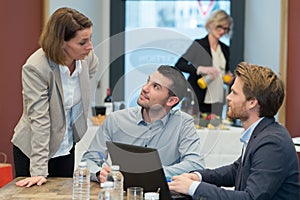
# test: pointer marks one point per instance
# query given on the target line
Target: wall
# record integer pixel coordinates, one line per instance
(293, 72)
(265, 38)
(262, 33)
(262, 46)
(21, 27)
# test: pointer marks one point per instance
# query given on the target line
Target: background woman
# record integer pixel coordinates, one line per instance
(209, 57)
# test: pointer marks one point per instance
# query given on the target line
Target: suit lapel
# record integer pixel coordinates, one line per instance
(238, 179)
(84, 86)
(55, 69)
(258, 129)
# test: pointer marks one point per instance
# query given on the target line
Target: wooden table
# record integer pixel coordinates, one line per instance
(55, 188)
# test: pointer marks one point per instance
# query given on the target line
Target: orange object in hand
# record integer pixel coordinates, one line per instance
(204, 81)
(227, 78)
(201, 82)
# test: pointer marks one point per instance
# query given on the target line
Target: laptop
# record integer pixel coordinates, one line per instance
(141, 167)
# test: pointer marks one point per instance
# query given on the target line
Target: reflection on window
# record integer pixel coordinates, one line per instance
(159, 32)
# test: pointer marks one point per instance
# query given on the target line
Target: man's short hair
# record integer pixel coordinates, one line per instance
(179, 85)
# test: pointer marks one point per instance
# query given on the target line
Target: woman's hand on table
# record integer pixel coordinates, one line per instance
(30, 181)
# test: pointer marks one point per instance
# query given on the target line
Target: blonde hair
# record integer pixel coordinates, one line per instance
(62, 26)
(218, 18)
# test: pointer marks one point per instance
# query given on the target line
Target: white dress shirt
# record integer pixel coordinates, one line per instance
(72, 103)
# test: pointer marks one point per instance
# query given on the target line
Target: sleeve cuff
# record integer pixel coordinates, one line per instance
(94, 177)
(193, 187)
(198, 70)
(198, 174)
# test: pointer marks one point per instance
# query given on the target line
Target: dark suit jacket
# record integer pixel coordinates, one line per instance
(269, 169)
(199, 54)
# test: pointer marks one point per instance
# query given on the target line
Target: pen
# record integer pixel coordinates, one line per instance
(158, 190)
(102, 158)
(169, 179)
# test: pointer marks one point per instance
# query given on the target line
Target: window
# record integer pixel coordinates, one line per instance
(159, 32)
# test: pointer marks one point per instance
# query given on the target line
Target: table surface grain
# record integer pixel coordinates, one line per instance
(55, 188)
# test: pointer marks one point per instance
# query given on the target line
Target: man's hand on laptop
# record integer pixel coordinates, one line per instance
(104, 173)
(183, 182)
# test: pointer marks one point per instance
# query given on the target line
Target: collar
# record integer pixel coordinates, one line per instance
(164, 120)
(65, 70)
(246, 135)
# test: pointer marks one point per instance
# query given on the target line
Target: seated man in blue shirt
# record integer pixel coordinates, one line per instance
(268, 167)
(154, 124)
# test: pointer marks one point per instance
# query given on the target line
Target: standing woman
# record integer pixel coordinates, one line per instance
(55, 81)
(209, 57)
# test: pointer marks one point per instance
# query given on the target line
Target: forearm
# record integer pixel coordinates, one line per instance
(184, 166)
(185, 66)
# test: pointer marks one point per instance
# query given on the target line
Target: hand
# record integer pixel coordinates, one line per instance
(192, 176)
(211, 71)
(28, 182)
(182, 182)
(104, 173)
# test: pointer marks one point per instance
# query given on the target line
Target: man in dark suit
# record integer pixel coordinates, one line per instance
(268, 167)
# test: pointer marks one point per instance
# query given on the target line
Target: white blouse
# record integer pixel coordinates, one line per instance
(215, 89)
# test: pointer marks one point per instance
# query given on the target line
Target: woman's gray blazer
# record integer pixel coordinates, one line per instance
(42, 126)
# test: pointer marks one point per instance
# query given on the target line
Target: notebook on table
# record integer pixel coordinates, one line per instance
(141, 166)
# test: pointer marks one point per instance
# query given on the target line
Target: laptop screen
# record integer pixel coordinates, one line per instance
(141, 167)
